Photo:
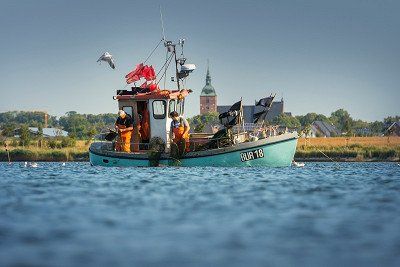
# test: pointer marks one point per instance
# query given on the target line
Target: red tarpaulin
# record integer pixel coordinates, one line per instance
(149, 73)
(153, 87)
(135, 75)
(140, 71)
(144, 85)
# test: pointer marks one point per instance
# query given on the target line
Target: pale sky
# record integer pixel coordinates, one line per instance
(318, 55)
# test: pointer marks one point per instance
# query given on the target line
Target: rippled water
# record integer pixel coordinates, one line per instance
(323, 214)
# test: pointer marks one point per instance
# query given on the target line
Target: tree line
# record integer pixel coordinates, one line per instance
(78, 126)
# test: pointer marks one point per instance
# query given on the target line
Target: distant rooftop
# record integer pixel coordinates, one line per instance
(49, 132)
(326, 128)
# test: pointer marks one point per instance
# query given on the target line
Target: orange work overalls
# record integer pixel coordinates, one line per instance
(178, 134)
(124, 140)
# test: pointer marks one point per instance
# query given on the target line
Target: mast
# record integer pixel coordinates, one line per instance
(176, 68)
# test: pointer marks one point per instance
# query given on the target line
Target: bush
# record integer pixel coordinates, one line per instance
(52, 143)
(68, 142)
(57, 156)
(3, 155)
(23, 155)
(14, 142)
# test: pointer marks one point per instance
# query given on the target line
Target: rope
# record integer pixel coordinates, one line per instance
(337, 164)
(153, 50)
(165, 76)
(166, 67)
(151, 53)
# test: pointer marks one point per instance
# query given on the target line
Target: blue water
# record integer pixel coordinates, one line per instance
(324, 214)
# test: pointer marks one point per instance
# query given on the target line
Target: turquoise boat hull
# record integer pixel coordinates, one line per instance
(276, 151)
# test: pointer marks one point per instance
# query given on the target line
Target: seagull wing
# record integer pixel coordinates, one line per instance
(111, 62)
(108, 58)
(101, 58)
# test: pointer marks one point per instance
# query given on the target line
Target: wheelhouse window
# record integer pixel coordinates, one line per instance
(180, 107)
(128, 110)
(172, 106)
(159, 109)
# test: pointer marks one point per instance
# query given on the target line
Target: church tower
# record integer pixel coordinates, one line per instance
(208, 97)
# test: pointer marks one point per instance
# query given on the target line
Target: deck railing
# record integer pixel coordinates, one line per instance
(199, 144)
(194, 145)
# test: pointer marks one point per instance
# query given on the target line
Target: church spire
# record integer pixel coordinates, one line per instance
(208, 76)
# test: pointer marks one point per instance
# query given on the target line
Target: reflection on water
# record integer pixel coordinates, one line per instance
(322, 214)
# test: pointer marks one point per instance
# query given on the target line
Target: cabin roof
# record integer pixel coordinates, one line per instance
(159, 94)
(49, 132)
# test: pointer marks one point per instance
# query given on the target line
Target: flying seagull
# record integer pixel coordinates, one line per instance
(107, 57)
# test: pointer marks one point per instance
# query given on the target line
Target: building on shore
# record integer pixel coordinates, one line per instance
(322, 129)
(46, 132)
(208, 97)
(394, 129)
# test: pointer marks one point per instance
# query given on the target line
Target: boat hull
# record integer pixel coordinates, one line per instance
(270, 152)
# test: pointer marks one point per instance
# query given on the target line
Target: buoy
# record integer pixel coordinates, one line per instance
(33, 165)
(298, 164)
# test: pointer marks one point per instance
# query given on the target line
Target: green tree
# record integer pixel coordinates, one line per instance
(342, 120)
(287, 121)
(347, 127)
(25, 136)
(377, 127)
(75, 124)
(67, 142)
(91, 132)
(8, 129)
(198, 122)
(360, 127)
(309, 118)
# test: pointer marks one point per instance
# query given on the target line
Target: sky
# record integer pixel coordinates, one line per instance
(318, 56)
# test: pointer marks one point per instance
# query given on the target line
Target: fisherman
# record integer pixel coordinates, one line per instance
(145, 125)
(124, 126)
(179, 129)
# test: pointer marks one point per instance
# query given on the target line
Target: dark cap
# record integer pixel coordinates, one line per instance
(173, 114)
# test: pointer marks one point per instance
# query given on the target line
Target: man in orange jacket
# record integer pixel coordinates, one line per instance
(124, 126)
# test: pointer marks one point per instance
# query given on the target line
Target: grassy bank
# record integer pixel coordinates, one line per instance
(27, 154)
(349, 149)
(34, 153)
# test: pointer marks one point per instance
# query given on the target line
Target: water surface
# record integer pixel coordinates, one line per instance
(326, 214)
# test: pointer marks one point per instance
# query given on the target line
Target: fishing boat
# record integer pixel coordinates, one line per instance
(232, 146)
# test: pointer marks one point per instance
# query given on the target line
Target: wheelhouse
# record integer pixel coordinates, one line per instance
(159, 104)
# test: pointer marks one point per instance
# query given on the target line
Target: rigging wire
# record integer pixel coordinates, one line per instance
(148, 57)
(153, 50)
(166, 67)
(165, 76)
(165, 63)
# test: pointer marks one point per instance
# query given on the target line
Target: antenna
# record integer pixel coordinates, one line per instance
(163, 38)
(162, 25)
